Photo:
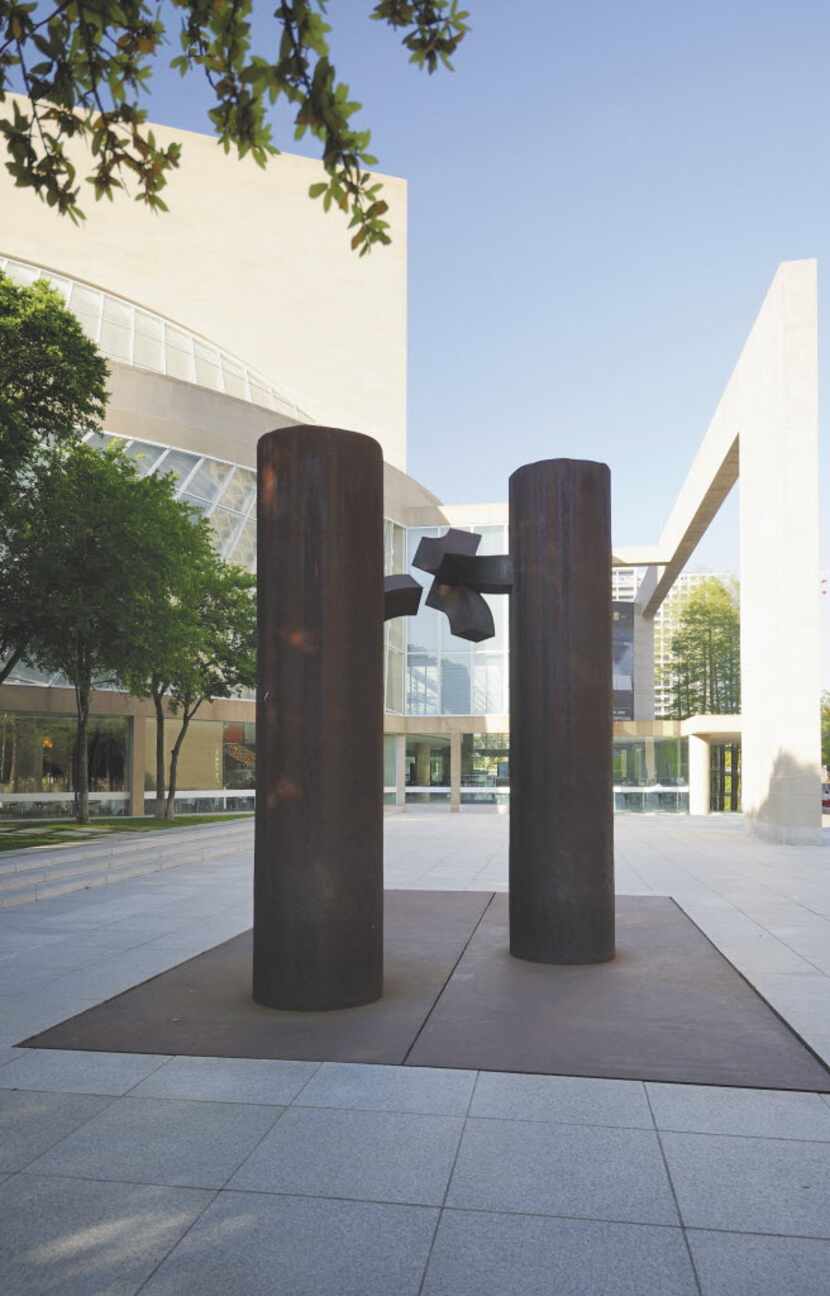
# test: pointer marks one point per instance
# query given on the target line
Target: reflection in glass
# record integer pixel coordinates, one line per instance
(144, 456)
(422, 685)
(649, 762)
(489, 680)
(225, 526)
(198, 505)
(394, 660)
(244, 552)
(240, 491)
(427, 762)
(208, 479)
(179, 463)
(485, 760)
(38, 753)
(239, 754)
(455, 684)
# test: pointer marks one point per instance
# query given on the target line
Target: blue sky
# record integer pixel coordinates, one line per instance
(598, 198)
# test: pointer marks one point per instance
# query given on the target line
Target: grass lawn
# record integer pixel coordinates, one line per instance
(18, 836)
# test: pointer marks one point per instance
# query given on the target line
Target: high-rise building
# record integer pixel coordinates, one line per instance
(625, 583)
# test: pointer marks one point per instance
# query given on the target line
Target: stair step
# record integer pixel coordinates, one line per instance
(31, 876)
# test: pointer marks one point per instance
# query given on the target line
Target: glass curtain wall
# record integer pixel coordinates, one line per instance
(651, 774)
(725, 777)
(394, 632)
(446, 675)
(427, 769)
(38, 763)
(390, 767)
(217, 757)
(485, 768)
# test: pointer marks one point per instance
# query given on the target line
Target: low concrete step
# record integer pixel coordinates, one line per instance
(44, 873)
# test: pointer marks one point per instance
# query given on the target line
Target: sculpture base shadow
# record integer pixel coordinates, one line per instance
(669, 1007)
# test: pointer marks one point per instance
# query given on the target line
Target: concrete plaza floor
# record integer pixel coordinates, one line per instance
(125, 1173)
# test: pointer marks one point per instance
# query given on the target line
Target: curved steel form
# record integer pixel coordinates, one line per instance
(460, 580)
(401, 597)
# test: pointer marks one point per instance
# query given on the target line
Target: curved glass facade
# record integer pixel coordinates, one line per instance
(224, 492)
(138, 337)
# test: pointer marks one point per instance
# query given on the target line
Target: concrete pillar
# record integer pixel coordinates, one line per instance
(644, 650)
(318, 863)
(137, 739)
(561, 815)
(422, 754)
(780, 612)
(455, 771)
(699, 775)
(400, 771)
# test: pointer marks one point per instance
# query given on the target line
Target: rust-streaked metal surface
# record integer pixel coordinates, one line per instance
(318, 877)
(561, 806)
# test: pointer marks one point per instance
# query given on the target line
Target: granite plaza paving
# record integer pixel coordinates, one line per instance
(126, 1173)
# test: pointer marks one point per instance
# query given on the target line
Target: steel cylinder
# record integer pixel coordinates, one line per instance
(561, 731)
(318, 876)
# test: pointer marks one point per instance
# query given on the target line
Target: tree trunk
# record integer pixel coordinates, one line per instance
(82, 693)
(9, 665)
(709, 677)
(187, 716)
(170, 807)
(158, 699)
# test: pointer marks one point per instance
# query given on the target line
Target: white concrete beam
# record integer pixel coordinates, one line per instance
(774, 406)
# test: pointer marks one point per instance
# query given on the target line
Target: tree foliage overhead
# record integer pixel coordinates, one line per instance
(705, 669)
(85, 65)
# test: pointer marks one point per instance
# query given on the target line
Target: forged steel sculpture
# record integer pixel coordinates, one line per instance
(322, 601)
(561, 798)
(561, 791)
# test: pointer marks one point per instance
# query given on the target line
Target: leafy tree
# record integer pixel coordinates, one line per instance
(825, 730)
(52, 391)
(216, 641)
(170, 630)
(705, 668)
(185, 628)
(85, 63)
(93, 575)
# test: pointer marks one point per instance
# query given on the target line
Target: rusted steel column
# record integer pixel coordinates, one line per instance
(318, 877)
(561, 787)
